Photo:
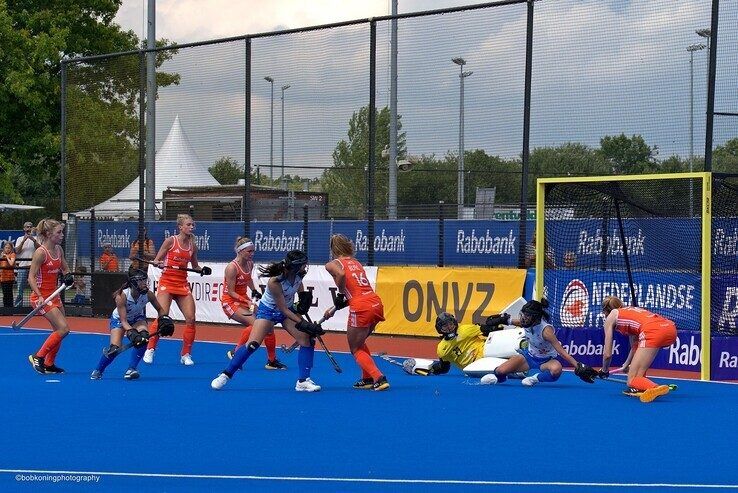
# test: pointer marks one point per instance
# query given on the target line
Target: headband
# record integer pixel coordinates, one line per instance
(244, 245)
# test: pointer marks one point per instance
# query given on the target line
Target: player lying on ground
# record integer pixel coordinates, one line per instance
(129, 318)
(648, 333)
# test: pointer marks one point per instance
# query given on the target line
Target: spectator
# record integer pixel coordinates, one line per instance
(108, 259)
(80, 286)
(7, 273)
(148, 253)
(530, 255)
(24, 248)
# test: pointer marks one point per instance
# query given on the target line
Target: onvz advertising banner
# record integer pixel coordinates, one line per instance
(576, 296)
(414, 296)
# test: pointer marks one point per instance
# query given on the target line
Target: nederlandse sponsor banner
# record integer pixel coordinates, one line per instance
(724, 358)
(208, 291)
(413, 296)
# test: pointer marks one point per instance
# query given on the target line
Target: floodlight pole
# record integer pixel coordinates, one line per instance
(271, 129)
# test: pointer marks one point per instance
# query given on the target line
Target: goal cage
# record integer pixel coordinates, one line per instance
(666, 243)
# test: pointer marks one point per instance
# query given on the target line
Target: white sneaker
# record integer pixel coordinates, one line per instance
(186, 360)
(219, 381)
(530, 381)
(488, 379)
(149, 356)
(307, 386)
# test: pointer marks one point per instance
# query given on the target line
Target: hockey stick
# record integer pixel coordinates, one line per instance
(389, 359)
(125, 347)
(295, 344)
(203, 271)
(17, 326)
(325, 349)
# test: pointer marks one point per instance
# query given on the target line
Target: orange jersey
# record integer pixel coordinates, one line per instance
(243, 281)
(177, 256)
(47, 277)
(632, 320)
(357, 284)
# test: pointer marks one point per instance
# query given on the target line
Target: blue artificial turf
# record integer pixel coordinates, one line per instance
(440, 431)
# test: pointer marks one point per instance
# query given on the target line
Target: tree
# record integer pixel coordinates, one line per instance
(725, 157)
(345, 182)
(626, 155)
(227, 171)
(35, 35)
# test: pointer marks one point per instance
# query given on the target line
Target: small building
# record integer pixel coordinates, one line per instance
(225, 203)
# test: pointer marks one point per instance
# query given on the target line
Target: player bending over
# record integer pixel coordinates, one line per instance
(277, 306)
(129, 318)
(648, 333)
(238, 306)
(541, 352)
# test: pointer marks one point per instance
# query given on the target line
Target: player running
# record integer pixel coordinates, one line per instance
(43, 275)
(648, 333)
(173, 257)
(129, 318)
(238, 306)
(365, 309)
(276, 307)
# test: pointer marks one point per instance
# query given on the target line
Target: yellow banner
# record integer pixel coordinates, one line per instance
(414, 296)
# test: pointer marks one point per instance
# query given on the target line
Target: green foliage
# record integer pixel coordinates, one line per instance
(34, 36)
(226, 170)
(626, 155)
(725, 157)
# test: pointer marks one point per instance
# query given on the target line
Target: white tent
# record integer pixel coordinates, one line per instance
(177, 165)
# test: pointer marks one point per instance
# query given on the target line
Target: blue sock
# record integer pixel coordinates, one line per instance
(136, 356)
(243, 353)
(305, 361)
(546, 376)
(104, 362)
(500, 378)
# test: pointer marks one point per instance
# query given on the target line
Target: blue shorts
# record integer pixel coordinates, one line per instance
(116, 324)
(534, 362)
(267, 313)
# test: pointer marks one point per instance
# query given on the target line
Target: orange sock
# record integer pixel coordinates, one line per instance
(51, 355)
(245, 334)
(188, 338)
(154, 340)
(51, 343)
(365, 361)
(641, 383)
(270, 342)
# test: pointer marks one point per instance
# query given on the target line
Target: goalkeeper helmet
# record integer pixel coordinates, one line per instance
(139, 280)
(446, 325)
(295, 261)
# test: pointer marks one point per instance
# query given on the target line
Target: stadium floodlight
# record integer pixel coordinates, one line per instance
(460, 190)
(269, 79)
(284, 183)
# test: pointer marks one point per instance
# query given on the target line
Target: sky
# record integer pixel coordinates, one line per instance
(600, 67)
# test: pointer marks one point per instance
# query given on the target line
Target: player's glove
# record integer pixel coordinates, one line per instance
(603, 373)
(255, 295)
(340, 301)
(495, 322)
(68, 279)
(166, 326)
(310, 328)
(205, 271)
(585, 372)
(138, 339)
(304, 300)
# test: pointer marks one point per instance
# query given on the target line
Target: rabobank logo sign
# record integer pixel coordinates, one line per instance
(574, 306)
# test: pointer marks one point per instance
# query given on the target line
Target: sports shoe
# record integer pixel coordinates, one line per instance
(381, 384)
(219, 381)
(53, 369)
(632, 392)
(530, 381)
(37, 363)
(186, 360)
(518, 375)
(148, 356)
(230, 353)
(131, 374)
(364, 383)
(96, 375)
(307, 386)
(650, 394)
(488, 379)
(275, 364)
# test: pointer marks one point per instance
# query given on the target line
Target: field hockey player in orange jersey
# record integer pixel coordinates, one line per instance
(238, 306)
(173, 256)
(648, 333)
(46, 264)
(365, 309)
